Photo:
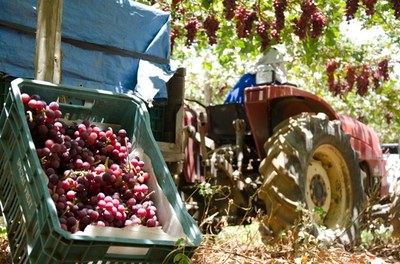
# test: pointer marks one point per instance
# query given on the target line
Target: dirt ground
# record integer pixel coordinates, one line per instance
(250, 250)
(242, 245)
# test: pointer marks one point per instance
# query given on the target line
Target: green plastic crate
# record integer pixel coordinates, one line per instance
(33, 229)
(157, 120)
(5, 82)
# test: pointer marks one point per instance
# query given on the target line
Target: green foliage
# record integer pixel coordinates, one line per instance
(181, 259)
(179, 253)
(206, 189)
(3, 232)
(375, 235)
(320, 212)
(375, 232)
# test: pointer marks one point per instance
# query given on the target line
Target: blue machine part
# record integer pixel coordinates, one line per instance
(236, 94)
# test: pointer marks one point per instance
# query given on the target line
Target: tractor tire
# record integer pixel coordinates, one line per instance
(309, 160)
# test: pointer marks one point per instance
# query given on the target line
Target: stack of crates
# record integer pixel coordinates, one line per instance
(163, 114)
(34, 232)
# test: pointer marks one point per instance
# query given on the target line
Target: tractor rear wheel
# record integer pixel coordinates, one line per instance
(309, 160)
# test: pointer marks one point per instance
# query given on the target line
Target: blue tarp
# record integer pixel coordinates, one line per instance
(110, 45)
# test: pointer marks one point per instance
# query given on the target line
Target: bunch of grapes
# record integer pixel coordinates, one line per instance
(262, 31)
(191, 27)
(311, 20)
(389, 118)
(376, 80)
(244, 21)
(336, 87)
(92, 179)
(351, 9)
(174, 3)
(381, 73)
(340, 88)
(383, 69)
(318, 23)
(173, 35)
(211, 25)
(229, 9)
(350, 77)
(369, 6)
(330, 68)
(363, 80)
(300, 27)
(279, 8)
(396, 8)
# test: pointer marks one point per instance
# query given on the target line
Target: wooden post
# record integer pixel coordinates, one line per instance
(48, 41)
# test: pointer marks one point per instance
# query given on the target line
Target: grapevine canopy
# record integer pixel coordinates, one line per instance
(346, 51)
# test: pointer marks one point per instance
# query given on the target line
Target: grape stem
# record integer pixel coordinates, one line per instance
(147, 196)
(67, 176)
(30, 118)
(106, 162)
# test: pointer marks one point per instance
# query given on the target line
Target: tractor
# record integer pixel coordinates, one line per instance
(283, 149)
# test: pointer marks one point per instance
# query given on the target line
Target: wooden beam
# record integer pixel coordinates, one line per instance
(48, 54)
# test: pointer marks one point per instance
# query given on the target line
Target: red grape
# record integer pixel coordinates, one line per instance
(25, 98)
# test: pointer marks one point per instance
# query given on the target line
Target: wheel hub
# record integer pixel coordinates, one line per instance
(318, 192)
